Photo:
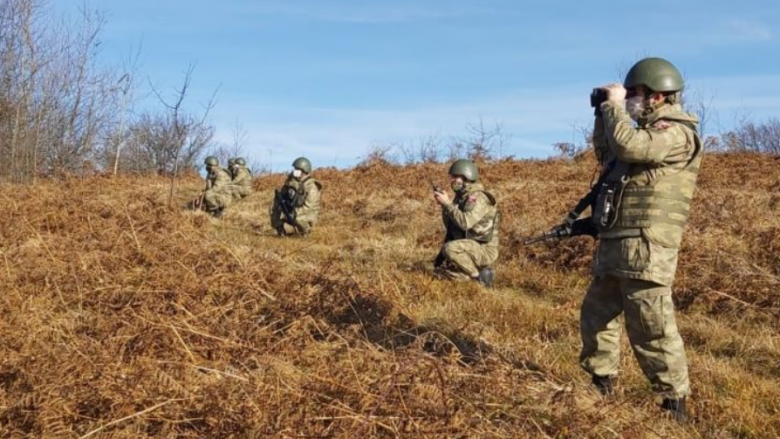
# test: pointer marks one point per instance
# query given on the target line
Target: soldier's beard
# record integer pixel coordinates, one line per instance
(457, 186)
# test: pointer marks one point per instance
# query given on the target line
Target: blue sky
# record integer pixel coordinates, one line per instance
(328, 79)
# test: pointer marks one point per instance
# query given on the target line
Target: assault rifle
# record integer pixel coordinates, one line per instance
(448, 237)
(565, 230)
(287, 211)
(572, 226)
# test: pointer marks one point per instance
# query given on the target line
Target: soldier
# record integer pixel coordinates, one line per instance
(242, 178)
(640, 214)
(297, 203)
(218, 191)
(471, 219)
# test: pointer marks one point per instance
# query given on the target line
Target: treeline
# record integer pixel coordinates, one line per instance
(63, 113)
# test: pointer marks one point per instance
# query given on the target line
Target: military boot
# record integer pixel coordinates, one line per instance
(217, 213)
(486, 276)
(604, 384)
(676, 408)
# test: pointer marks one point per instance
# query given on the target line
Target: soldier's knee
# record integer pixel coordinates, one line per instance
(451, 249)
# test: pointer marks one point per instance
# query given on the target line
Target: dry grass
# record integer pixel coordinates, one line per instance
(122, 318)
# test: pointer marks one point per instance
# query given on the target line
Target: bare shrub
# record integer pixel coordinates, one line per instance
(763, 137)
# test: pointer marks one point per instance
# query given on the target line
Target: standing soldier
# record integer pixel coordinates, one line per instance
(218, 191)
(297, 203)
(242, 178)
(640, 214)
(471, 219)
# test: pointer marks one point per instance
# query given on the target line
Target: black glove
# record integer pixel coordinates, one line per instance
(584, 226)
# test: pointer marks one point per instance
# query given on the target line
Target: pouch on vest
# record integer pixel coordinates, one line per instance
(608, 202)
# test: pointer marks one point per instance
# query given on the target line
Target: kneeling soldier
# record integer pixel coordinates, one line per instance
(218, 193)
(297, 203)
(242, 178)
(471, 219)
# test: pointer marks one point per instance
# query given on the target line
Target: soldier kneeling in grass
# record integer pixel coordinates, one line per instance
(242, 178)
(297, 204)
(471, 219)
(218, 193)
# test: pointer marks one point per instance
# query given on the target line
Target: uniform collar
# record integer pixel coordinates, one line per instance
(665, 111)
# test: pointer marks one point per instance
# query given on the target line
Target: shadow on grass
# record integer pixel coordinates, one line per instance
(396, 332)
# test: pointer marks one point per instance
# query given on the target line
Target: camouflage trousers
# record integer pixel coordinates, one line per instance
(464, 257)
(301, 224)
(218, 198)
(651, 327)
(241, 192)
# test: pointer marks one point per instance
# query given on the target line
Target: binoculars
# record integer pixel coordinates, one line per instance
(597, 97)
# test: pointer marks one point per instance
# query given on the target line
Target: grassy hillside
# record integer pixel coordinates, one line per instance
(120, 317)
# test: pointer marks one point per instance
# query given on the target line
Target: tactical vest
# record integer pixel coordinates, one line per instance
(661, 206)
(291, 192)
(483, 231)
(294, 191)
(214, 177)
(243, 177)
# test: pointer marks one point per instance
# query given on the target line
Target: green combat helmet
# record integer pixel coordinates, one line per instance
(231, 162)
(657, 74)
(466, 169)
(303, 164)
(240, 161)
(211, 161)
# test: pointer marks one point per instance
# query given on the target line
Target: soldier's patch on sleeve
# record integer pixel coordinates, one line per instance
(662, 124)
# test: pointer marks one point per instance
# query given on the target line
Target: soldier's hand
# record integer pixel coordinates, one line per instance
(615, 92)
(442, 198)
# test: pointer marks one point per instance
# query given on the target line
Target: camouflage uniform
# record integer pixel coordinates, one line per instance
(471, 243)
(639, 238)
(219, 191)
(242, 182)
(303, 199)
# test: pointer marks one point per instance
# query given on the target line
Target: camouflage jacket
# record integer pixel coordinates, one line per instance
(304, 197)
(218, 178)
(473, 214)
(655, 172)
(243, 177)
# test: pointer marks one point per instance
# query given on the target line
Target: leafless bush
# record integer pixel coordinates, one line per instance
(754, 137)
(482, 143)
(57, 106)
(571, 150)
(427, 149)
(153, 143)
(378, 154)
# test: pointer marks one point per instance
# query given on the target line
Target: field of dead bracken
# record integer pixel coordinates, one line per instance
(124, 317)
